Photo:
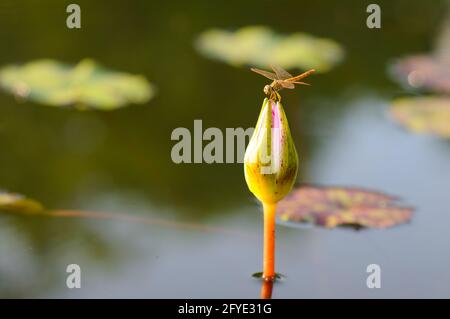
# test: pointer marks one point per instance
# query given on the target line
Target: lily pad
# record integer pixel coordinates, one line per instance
(17, 203)
(259, 275)
(424, 72)
(338, 206)
(260, 46)
(85, 85)
(425, 115)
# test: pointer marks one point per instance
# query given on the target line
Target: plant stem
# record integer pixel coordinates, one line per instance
(269, 242)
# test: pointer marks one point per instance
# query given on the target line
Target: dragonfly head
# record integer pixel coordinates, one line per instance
(268, 90)
(272, 93)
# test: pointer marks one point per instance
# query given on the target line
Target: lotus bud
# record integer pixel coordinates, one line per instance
(271, 161)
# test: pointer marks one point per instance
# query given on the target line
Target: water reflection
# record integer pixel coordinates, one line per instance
(266, 289)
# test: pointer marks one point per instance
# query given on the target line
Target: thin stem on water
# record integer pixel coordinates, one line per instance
(269, 242)
(141, 219)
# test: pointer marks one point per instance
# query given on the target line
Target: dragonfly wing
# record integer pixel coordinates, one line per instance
(281, 73)
(287, 85)
(303, 83)
(268, 75)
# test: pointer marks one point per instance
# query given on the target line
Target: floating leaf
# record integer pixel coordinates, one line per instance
(260, 46)
(335, 206)
(423, 115)
(85, 85)
(424, 72)
(259, 275)
(11, 202)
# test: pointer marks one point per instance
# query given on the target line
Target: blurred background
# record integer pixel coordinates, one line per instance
(119, 161)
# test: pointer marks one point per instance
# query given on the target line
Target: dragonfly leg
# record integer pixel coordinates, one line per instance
(275, 96)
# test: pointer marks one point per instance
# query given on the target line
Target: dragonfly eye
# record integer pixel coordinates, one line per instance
(267, 89)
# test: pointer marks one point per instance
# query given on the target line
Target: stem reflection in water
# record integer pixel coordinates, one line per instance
(266, 289)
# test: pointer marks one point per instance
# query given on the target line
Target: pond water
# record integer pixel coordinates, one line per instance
(120, 161)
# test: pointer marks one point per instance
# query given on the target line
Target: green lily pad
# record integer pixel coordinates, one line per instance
(424, 115)
(338, 206)
(84, 86)
(17, 203)
(260, 46)
(259, 275)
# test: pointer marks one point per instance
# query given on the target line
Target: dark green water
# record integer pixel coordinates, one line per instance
(120, 161)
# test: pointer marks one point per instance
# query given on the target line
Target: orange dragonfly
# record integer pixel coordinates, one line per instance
(281, 80)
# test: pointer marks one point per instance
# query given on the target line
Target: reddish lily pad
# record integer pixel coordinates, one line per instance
(424, 72)
(11, 202)
(425, 115)
(337, 206)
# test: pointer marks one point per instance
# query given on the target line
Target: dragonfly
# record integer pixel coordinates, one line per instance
(282, 79)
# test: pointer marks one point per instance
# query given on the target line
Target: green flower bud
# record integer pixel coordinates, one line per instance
(271, 161)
